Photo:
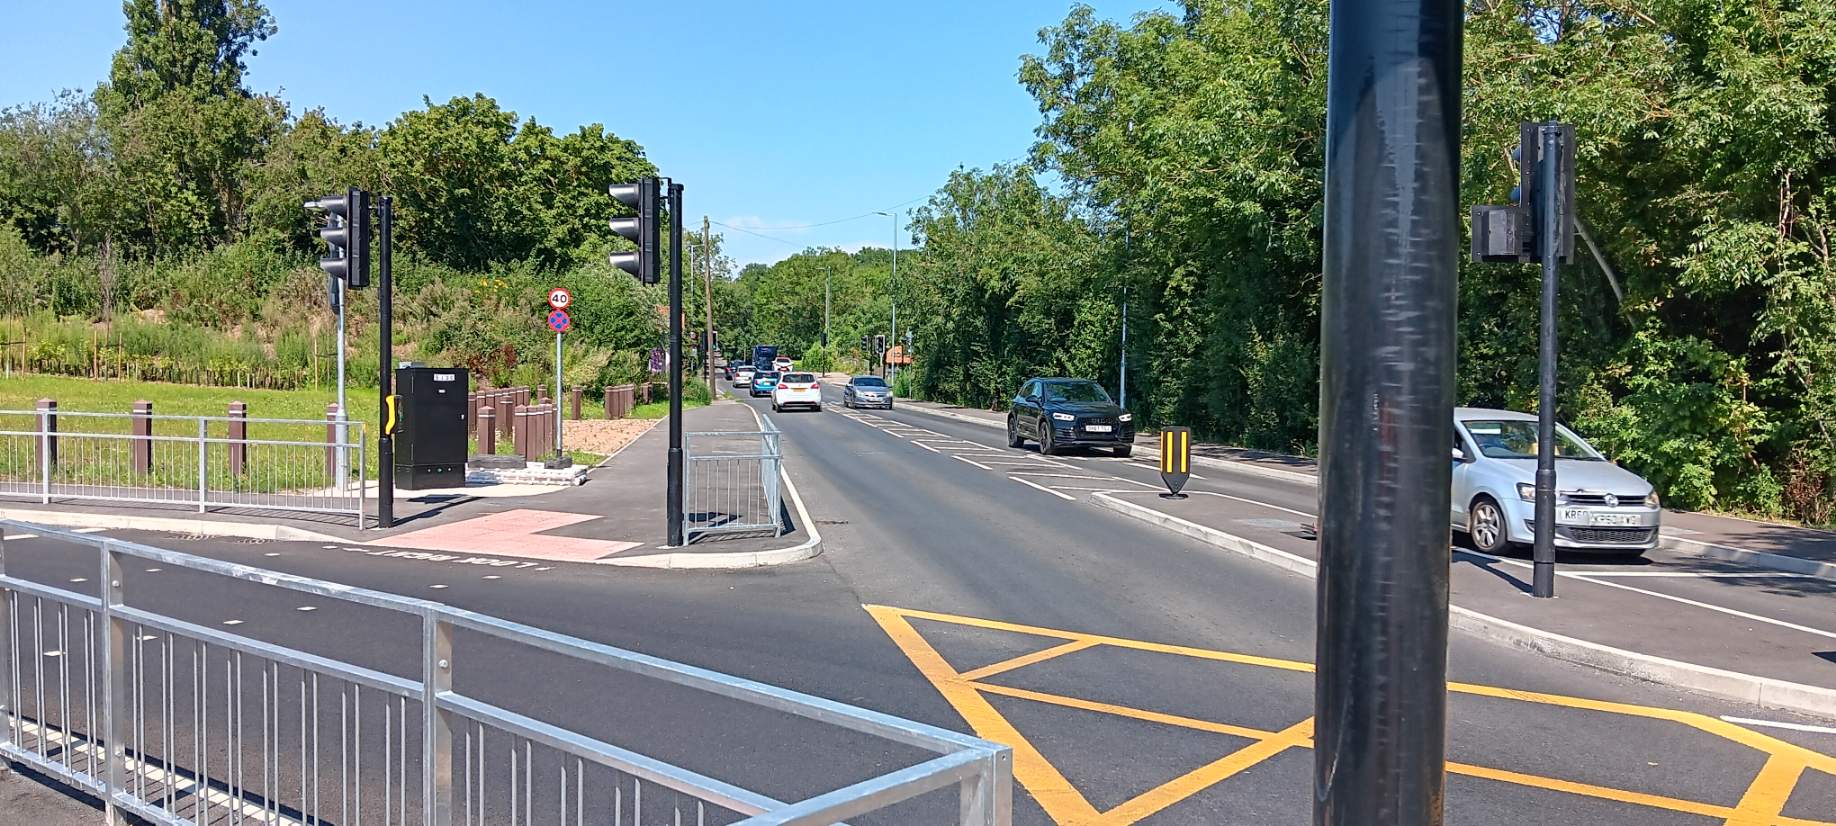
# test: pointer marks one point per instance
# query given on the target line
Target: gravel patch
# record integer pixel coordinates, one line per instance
(604, 436)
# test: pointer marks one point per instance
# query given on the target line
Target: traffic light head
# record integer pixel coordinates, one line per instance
(879, 344)
(346, 235)
(640, 229)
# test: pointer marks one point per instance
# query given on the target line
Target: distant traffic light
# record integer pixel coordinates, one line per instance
(347, 236)
(1510, 234)
(879, 344)
(640, 229)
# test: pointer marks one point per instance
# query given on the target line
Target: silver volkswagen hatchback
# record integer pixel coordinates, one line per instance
(1600, 506)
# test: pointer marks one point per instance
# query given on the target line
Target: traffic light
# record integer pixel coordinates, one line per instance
(347, 236)
(1509, 234)
(879, 344)
(863, 344)
(641, 229)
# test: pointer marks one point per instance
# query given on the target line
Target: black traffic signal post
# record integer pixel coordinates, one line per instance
(644, 230)
(1390, 278)
(1538, 228)
(347, 235)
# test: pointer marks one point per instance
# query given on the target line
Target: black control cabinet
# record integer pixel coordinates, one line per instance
(431, 427)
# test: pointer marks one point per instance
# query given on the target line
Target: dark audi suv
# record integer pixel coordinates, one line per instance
(1061, 413)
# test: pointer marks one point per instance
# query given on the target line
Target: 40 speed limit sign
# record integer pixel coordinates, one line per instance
(559, 298)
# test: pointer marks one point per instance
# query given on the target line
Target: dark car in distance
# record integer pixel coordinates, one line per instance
(1059, 413)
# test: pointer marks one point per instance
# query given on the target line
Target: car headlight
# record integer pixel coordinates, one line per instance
(1126, 417)
(1651, 499)
(1064, 417)
(1526, 492)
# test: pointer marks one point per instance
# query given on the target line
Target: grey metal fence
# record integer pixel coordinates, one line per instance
(732, 481)
(177, 722)
(197, 461)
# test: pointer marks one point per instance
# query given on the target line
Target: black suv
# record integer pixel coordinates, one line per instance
(1060, 413)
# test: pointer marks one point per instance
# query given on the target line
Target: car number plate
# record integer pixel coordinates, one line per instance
(1097, 428)
(1619, 519)
(1575, 516)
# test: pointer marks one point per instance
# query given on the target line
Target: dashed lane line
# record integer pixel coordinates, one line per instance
(962, 458)
(1065, 497)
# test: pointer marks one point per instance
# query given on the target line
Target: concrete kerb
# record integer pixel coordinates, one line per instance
(679, 560)
(1762, 691)
(167, 524)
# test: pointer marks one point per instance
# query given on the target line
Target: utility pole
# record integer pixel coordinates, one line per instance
(1548, 201)
(1122, 380)
(828, 275)
(707, 286)
(1390, 283)
(893, 291)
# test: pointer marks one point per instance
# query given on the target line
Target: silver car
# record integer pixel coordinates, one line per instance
(1600, 506)
(867, 391)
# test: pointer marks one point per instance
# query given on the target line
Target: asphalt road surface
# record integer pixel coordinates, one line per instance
(1141, 676)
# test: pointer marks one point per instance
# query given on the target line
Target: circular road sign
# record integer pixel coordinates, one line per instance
(559, 298)
(559, 322)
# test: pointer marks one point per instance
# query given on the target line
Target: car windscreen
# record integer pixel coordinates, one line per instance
(766, 376)
(869, 381)
(1075, 391)
(798, 378)
(1517, 440)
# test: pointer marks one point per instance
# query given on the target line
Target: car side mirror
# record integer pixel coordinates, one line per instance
(1459, 455)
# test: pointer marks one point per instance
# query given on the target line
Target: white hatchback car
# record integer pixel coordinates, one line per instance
(1600, 506)
(797, 390)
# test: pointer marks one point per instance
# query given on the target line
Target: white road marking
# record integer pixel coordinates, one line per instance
(1684, 600)
(1748, 721)
(79, 579)
(277, 553)
(970, 461)
(307, 608)
(1043, 488)
(16, 536)
(157, 570)
(495, 576)
(232, 622)
(89, 530)
(1016, 473)
(54, 653)
(437, 587)
(927, 447)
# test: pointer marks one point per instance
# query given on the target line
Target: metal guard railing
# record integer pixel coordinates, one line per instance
(732, 481)
(197, 461)
(114, 757)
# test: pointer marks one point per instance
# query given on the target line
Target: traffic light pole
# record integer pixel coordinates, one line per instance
(675, 365)
(385, 306)
(1548, 240)
(1391, 245)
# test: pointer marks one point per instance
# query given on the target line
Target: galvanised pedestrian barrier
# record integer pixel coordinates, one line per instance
(732, 481)
(177, 722)
(202, 462)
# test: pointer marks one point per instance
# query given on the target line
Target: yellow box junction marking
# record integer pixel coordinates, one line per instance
(1761, 805)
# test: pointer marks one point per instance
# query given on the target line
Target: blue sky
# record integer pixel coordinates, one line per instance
(782, 114)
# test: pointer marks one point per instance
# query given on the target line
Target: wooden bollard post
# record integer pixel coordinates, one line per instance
(506, 419)
(609, 409)
(140, 425)
(520, 435)
(574, 398)
(487, 430)
(239, 438)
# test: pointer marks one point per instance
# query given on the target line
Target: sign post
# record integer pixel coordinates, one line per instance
(558, 320)
(1175, 460)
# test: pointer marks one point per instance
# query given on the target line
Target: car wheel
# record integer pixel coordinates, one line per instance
(1124, 451)
(1485, 525)
(1046, 448)
(1014, 439)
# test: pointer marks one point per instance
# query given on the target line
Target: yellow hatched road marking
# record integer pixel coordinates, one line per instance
(1763, 802)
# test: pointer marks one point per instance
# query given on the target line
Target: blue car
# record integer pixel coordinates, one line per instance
(765, 382)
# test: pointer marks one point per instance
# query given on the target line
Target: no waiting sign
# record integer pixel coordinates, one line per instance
(559, 298)
(559, 322)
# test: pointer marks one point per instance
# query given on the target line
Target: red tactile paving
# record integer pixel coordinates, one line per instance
(511, 533)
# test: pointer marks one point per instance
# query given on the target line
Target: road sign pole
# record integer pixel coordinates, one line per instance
(1390, 244)
(1548, 241)
(559, 451)
(385, 306)
(674, 501)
